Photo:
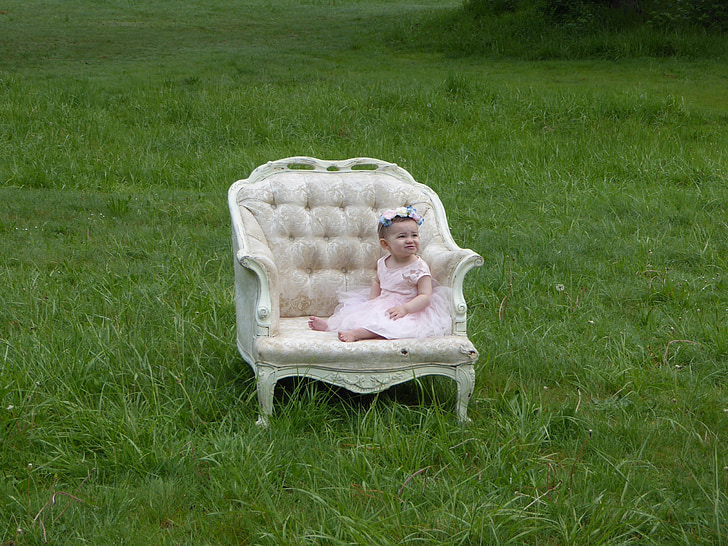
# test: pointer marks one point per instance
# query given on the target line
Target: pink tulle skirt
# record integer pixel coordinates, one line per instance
(355, 310)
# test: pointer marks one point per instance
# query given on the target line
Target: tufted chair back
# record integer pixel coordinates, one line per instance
(321, 228)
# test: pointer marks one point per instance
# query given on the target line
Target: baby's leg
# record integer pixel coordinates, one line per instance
(357, 334)
(317, 323)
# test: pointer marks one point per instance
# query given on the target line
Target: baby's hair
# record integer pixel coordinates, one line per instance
(382, 229)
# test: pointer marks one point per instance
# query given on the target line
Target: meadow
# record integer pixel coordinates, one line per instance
(595, 188)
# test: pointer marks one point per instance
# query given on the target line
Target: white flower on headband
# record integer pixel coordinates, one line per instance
(402, 212)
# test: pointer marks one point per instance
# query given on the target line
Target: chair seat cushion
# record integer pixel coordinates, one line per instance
(297, 345)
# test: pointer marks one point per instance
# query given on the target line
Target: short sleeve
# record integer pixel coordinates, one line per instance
(417, 270)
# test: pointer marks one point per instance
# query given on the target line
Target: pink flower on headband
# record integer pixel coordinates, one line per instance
(402, 212)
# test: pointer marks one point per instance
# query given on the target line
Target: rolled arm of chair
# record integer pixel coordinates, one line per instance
(265, 310)
(449, 267)
(256, 281)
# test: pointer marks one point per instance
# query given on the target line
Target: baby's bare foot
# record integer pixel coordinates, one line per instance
(348, 336)
(317, 323)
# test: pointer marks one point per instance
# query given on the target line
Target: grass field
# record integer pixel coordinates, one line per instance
(594, 188)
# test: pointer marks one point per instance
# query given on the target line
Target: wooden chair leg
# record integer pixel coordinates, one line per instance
(266, 384)
(465, 378)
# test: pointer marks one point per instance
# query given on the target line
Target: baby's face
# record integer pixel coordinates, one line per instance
(402, 239)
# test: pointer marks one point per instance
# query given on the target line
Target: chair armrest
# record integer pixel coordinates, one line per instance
(265, 310)
(449, 267)
(256, 281)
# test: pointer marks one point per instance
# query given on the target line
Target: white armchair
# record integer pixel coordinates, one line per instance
(305, 229)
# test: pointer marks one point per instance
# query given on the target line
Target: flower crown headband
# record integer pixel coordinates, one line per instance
(402, 212)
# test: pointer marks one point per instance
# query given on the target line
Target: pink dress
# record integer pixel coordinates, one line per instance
(398, 286)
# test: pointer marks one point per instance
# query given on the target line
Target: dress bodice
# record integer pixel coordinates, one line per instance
(401, 280)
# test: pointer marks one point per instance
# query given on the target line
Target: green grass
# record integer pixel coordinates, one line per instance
(594, 188)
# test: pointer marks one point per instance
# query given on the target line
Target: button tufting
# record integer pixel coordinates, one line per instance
(343, 270)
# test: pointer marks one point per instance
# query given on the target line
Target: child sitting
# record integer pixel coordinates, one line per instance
(403, 301)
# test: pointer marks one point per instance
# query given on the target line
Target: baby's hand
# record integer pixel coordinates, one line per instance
(397, 312)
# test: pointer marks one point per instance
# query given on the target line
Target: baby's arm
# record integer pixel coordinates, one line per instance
(376, 289)
(418, 303)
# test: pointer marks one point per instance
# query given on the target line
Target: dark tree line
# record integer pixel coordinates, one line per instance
(710, 14)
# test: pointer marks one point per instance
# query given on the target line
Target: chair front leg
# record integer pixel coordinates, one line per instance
(465, 378)
(266, 384)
